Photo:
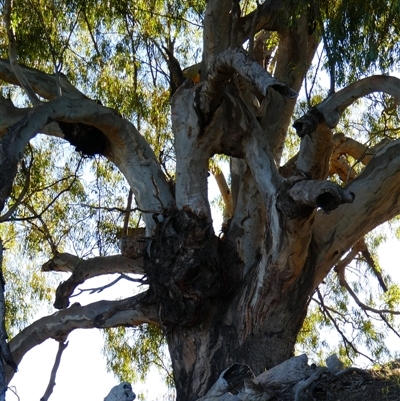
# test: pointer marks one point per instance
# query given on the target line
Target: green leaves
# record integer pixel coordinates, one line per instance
(362, 37)
(130, 352)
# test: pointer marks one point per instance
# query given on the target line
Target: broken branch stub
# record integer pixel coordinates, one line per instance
(320, 194)
(237, 61)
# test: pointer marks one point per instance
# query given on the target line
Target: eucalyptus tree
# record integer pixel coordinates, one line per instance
(109, 78)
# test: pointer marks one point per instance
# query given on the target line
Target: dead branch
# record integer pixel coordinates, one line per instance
(83, 270)
(102, 288)
(323, 194)
(52, 381)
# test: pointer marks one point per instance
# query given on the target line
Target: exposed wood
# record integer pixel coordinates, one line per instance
(52, 382)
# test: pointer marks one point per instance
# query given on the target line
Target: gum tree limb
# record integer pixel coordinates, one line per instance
(128, 312)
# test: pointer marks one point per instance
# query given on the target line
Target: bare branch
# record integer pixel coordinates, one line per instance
(377, 199)
(140, 168)
(45, 85)
(52, 382)
(119, 209)
(342, 279)
(346, 341)
(102, 288)
(83, 270)
(333, 107)
(132, 311)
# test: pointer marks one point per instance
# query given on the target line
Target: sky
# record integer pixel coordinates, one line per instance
(82, 373)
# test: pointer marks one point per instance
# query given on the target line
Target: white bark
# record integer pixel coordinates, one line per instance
(377, 199)
(191, 158)
(324, 194)
(102, 314)
(45, 85)
(127, 148)
(333, 107)
(288, 372)
(236, 61)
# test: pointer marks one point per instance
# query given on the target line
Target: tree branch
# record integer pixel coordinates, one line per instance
(340, 270)
(52, 382)
(377, 199)
(132, 311)
(333, 107)
(324, 194)
(83, 270)
(45, 85)
(346, 341)
(271, 17)
(12, 51)
(233, 61)
(103, 287)
(140, 167)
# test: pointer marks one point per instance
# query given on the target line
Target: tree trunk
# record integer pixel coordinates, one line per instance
(212, 315)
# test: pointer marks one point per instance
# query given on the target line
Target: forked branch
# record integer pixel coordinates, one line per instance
(83, 270)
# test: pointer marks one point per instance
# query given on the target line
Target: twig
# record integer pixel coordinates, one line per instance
(362, 305)
(14, 392)
(100, 289)
(325, 311)
(119, 209)
(52, 381)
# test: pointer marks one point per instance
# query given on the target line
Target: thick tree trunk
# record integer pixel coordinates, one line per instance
(211, 315)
